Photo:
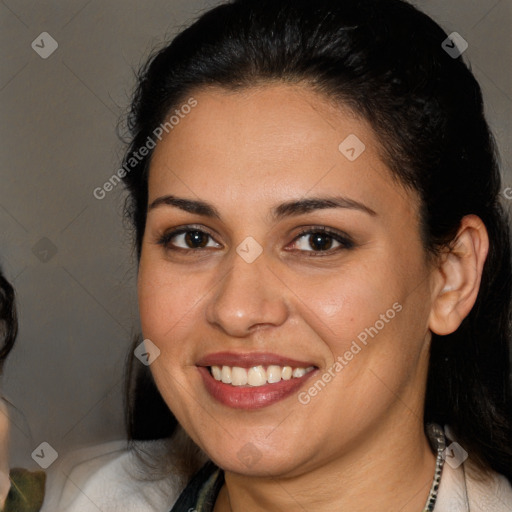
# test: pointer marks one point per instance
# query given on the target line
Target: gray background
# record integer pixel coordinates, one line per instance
(69, 254)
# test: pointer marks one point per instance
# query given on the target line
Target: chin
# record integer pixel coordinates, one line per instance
(256, 461)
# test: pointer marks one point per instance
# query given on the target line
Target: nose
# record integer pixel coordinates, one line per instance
(249, 297)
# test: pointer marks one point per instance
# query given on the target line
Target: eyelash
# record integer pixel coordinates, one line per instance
(345, 241)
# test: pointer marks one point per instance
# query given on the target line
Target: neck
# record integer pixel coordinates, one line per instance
(386, 469)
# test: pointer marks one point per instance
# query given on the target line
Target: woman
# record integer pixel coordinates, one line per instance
(324, 267)
(20, 490)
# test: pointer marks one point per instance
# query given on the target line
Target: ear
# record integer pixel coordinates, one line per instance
(457, 278)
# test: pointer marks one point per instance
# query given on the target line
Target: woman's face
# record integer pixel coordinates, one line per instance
(348, 301)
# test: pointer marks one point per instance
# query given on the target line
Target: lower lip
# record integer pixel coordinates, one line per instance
(251, 397)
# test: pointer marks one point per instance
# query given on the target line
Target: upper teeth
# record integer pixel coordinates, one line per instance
(257, 375)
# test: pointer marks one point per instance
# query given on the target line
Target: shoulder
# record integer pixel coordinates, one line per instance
(489, 493)
(117, 477)
(26, 491)
(466, 488)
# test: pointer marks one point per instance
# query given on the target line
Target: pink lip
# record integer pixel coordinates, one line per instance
(249, 360)
(250, 397)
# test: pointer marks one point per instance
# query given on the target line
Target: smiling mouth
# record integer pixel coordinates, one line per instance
(257, 375)
(252, 380)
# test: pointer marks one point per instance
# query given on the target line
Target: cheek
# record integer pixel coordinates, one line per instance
(370, 318)
(168, 302)
(374, 341)
(340, 307)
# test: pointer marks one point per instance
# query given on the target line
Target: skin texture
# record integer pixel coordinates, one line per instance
(4, 455)
(359, 442)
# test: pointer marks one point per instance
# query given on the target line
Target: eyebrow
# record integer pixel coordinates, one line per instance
(286, 209)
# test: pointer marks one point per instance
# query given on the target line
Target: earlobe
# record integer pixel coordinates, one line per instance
(458, 276)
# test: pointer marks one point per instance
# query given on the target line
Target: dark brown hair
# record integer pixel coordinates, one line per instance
(8, 319)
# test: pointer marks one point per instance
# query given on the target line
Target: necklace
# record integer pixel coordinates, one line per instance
(438, 440)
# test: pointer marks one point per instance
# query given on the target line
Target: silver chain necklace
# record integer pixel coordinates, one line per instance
(438, 439)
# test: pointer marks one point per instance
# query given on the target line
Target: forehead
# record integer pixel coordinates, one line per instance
(262, 123)
(271, 142)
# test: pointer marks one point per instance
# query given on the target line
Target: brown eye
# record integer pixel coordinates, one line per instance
(196, 239)
(321, 240)
(187, 239)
